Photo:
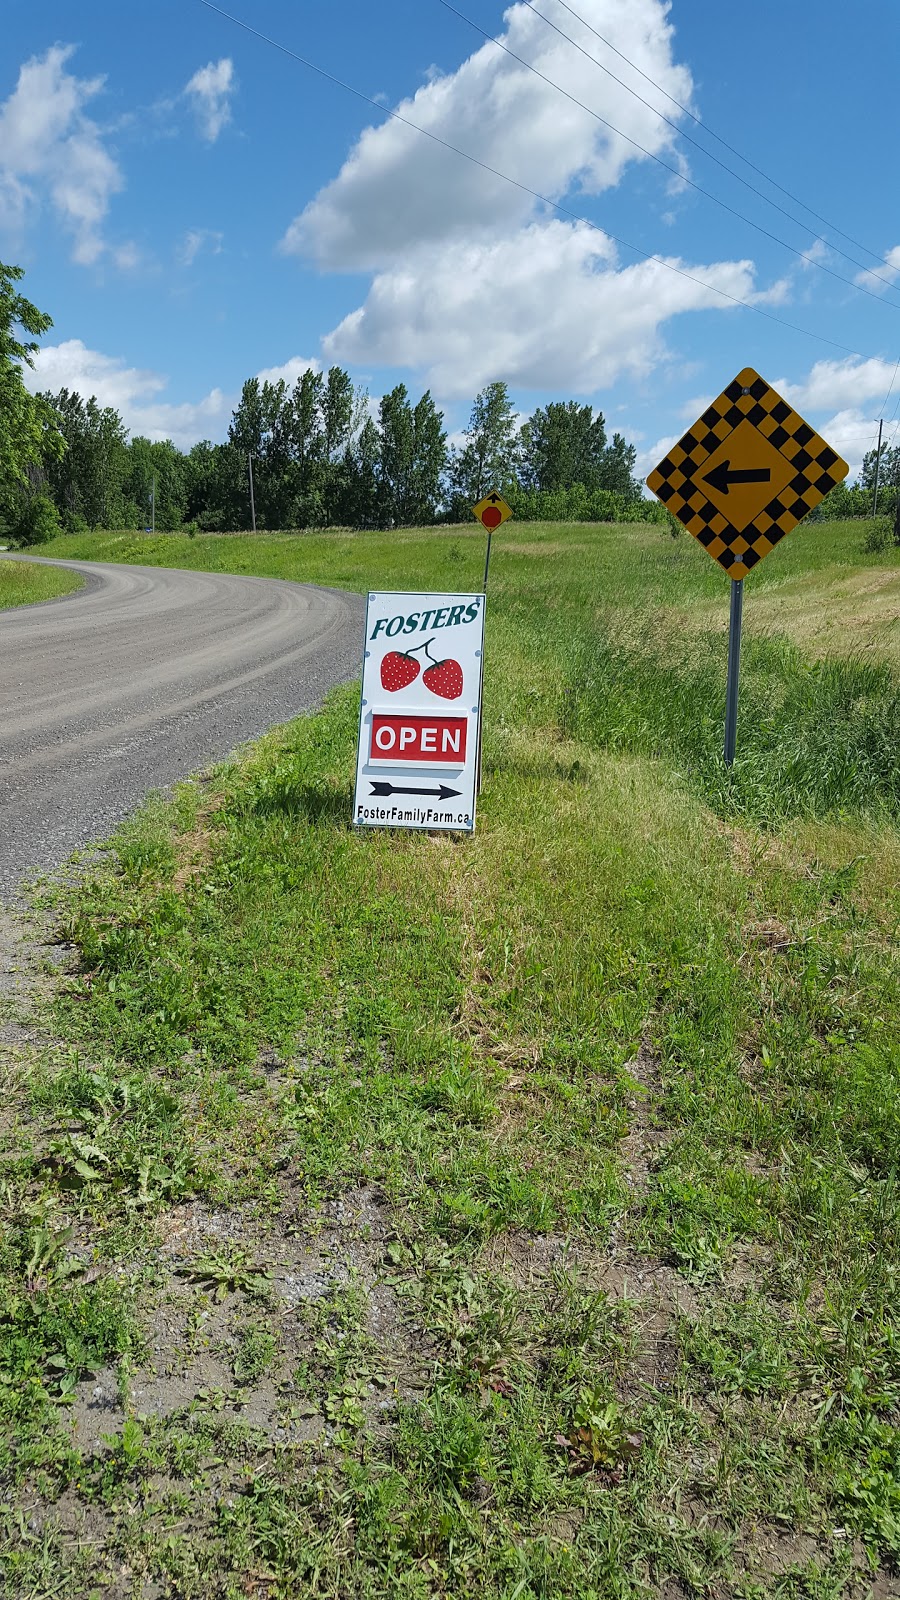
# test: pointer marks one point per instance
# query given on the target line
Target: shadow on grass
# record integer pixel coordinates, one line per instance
(323, 805)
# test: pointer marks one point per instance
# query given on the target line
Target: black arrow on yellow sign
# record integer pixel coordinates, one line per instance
(723, 476)
(441, 793)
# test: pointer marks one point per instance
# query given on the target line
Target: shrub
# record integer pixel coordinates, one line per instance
(579, 504)
(37, 521)
(74, 522)
(878, 536)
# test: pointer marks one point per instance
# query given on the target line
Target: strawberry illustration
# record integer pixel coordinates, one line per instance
(398, 669)
(444, 678)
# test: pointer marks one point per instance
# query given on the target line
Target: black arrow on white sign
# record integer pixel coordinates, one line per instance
(441, 793)
(723, 476)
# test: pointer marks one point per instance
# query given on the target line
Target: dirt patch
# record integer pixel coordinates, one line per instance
(767, 1555)
(229, 1278)
(195, 848)
(30, 958)
(526, 1259)
(643, 1146)
(769, 934)
(97, 1410)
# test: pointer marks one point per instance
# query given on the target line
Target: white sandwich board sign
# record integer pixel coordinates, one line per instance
(417, 762)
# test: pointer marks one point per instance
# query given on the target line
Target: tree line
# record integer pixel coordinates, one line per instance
(858, 499)
(320, 454)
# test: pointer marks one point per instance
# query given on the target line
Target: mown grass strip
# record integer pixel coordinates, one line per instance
(24, 583)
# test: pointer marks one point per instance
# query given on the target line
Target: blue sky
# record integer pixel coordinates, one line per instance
(193, 206)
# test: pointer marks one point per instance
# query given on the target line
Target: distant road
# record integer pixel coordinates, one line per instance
(142, 677)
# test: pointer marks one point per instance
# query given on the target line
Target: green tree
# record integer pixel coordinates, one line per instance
(343, 413)
(562, 444)
(428, 465)
(396, 456)
(358, 502)
(216, 487)
(86, 481)
(490, 455)
(263, 426)
(29, 434)
(616, 471)
(37, 521)
(338, 411)
(411, 457)
(307, 451)
(155, 472)
(889, 475)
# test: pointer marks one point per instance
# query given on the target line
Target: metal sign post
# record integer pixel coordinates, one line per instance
(487, 559)
(491, 512)
(734, 668)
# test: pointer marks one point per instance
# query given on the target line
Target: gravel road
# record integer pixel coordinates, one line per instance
(142, 677)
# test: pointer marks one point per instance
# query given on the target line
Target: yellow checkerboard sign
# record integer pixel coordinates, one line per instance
(746, 473)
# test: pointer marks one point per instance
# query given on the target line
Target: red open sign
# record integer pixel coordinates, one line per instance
(418, 738)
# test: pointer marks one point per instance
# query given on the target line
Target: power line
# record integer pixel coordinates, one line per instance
(666, 165)
(891, 386)
(767, 199)
(555, 205)
(712, 133)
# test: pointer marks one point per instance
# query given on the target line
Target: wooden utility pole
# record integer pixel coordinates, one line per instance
(877, 467)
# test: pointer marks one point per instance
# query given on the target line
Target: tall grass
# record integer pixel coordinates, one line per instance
(815, 738)
(620, 616)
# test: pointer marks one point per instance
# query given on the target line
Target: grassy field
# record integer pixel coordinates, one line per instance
(23, 583)
(511, 1217)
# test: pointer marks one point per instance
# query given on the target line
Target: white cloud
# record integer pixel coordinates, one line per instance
(127, 256)
(549, 310)
(137, 394)
(647, 459)
(473, 279)
(852, 434)
(880, 279)
(398, 190)
(71, 365)
(196, 240)
(840, 384)
(48, 146)
(290, 371)
(210, 89)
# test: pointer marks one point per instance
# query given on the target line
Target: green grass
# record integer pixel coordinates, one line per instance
(630, 653)
(580, 1134)
(24, 583)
